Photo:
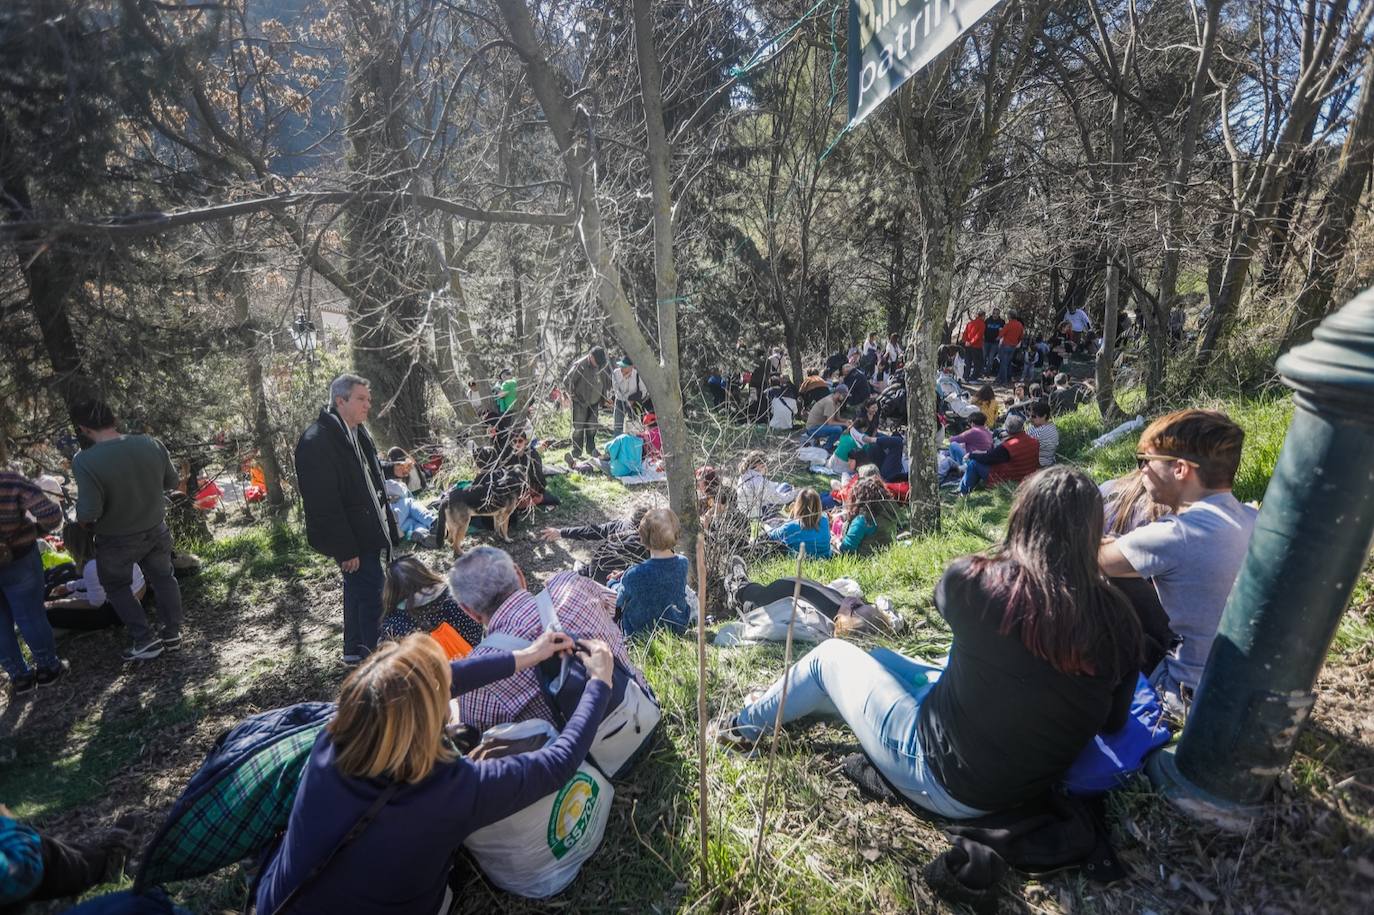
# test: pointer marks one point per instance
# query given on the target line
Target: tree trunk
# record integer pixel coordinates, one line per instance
(264, 439)
(1337, 217)
(1178, 182)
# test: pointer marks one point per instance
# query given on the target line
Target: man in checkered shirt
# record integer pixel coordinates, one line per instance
(489, 586)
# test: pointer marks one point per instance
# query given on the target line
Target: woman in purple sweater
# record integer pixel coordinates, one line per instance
(389, 731)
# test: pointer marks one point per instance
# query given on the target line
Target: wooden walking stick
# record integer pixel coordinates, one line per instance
(701, 705)
(782, 704)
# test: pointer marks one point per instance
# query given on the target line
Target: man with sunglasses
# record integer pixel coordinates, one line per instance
(1188, 461)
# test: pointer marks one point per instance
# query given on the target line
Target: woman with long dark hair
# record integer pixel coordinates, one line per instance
(1045, 656)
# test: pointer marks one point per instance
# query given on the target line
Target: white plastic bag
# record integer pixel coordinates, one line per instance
(538, 851)
(811, 454)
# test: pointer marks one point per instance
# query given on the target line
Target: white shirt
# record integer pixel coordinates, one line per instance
(1078, 319)
(1048, 437)
(88, 588)
(624, 386)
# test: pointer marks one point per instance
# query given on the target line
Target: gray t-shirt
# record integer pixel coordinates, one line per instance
(1193, 558)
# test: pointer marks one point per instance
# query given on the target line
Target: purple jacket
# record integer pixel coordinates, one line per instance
(400, 862)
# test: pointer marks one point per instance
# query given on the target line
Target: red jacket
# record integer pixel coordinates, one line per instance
(973, 333)
(1012, 332)
(1025, 460)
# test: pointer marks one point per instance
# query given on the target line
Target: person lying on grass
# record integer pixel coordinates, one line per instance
(1044, 658)
(808, 525)
(81, 604)
(617, 544)
(654, 593)
(388, 737)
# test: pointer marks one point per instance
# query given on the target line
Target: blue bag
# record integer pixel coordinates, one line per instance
(1110, 759)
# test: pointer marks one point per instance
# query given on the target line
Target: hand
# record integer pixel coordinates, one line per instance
(350, 565)
(597, 657)
(615, 576)
(549, 534)
(548, 644)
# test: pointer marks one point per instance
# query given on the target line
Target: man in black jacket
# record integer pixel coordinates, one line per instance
(346, 514)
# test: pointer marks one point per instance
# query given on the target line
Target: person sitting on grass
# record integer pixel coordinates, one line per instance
(1044, 431)
(850, 449)
(654, 593)
(860, 516)
(413, 520)
(975, 438)
(1188, 462)
(1045, 651)
(986, 403)
(385, 753)
(491, 588)
(757, 496)
(1017, 457)
(415, 598)
(618, 544)
(808, 525)
(823, 426)
(525, 456)
(80, 604)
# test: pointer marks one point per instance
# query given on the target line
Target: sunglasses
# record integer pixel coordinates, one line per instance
(1144, 457)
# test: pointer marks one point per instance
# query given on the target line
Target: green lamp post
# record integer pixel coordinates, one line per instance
(1310, 542)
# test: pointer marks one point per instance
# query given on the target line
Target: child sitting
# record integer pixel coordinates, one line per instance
(859, 519)
(654, 593)
(653, 439)
(849, 449)
(808, 525)
(413, 521)
(986, 401)
(415, 598)
(756, 494)
(80, 603)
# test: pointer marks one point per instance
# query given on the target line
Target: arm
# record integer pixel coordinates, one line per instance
(43, 509)
(997, 455)
(854, 534)
(1113, 563)
(514, 782)
(318, 483)
(471, 673)
(21, 859)
(90, 497)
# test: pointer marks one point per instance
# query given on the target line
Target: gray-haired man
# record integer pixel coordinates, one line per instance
(346, 514)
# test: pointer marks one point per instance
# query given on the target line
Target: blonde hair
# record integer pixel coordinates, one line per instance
(392, 710)
(659, 529)
(806, 508)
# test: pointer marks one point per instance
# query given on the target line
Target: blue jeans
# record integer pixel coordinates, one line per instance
(362, 600)
(838, 679)
(975, 474)
(1004, 354)
(957, 452)
(21, 604)
(825, 436)
(989, 350)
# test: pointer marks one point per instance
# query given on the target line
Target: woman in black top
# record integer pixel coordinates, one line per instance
(1045, 656)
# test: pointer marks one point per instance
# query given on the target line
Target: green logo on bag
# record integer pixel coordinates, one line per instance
(573, 809)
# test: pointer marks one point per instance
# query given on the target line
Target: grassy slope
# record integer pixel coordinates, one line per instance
(267, 606)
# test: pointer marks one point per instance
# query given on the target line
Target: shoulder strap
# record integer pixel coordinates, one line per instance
(503, 641)
(357, 829)
(547, 615)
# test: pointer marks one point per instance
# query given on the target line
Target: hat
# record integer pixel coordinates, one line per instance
(649, 419)
(625, 362)
(840, 389)
(395, 489)
(50, 485)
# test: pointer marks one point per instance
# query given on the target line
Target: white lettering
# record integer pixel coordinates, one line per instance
(867, 78)
(868, 23)
(885, 62)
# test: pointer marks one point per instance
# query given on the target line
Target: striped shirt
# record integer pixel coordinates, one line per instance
(586, 610)
(20, 499)
(1048, 437)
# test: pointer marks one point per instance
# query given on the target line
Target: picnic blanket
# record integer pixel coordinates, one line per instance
(648, 476)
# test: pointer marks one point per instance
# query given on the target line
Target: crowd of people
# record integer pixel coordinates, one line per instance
(1091, 589)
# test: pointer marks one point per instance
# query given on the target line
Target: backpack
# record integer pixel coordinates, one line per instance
(537, 851)
(1110, 759)
(632, 714)
(238, 802)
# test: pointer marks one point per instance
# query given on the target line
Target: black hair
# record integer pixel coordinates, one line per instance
(93, 414)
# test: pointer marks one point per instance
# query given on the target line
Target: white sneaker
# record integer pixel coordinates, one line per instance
(144, 652)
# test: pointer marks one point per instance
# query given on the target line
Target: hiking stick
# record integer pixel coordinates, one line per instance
(782, 704)
(701, 704)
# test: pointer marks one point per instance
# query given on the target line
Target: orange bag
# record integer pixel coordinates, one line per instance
(454, 645)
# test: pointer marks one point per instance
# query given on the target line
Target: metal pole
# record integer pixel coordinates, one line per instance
(1310, 543)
